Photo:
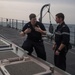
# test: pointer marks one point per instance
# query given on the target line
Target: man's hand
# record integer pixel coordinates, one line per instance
(57, 52)
(28, 30)
(54, 47)
(38, 29)
(22, 33)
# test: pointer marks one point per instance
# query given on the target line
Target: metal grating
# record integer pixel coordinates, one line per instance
(24, 68)
(7, 54)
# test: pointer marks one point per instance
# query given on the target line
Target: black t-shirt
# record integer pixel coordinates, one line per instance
(34, 35)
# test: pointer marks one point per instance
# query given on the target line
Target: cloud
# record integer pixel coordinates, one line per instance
(22, 8)
(59, 2)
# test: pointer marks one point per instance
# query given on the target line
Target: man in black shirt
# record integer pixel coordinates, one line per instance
(62, 38)
(34, 31)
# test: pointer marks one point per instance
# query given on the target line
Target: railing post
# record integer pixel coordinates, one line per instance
(16, 24)
(12, 22)
(2, 21)
(74, 36)
(7, 22)
(22, 23)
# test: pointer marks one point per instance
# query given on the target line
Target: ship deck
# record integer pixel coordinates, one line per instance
(12, 35)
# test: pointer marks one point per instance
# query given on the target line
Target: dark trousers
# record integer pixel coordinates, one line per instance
(60, 60)
(38, 46)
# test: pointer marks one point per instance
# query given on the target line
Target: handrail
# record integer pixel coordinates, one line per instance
(14, 23)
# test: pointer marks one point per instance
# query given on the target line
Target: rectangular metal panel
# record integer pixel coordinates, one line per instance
(26, 68)
(7, 54)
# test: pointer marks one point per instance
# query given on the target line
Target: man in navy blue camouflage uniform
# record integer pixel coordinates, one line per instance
(62, 38)
(34, 31)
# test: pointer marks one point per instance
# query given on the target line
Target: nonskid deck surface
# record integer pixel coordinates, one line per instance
(16, 62)
(7, 54)
(14, 53)
(24, 68)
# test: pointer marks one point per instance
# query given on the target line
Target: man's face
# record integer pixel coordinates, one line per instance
(58, 20)
(33, 21)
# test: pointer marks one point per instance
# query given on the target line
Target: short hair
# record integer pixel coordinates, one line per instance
(32, 16)
(60, 15)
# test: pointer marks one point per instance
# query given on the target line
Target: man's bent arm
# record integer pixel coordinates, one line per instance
(22, 33)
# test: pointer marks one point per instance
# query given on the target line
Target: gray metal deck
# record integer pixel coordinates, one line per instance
(25, 68)
(13, 35)
(7, 54)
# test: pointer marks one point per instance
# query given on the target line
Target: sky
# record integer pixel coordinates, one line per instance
(21, 9)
